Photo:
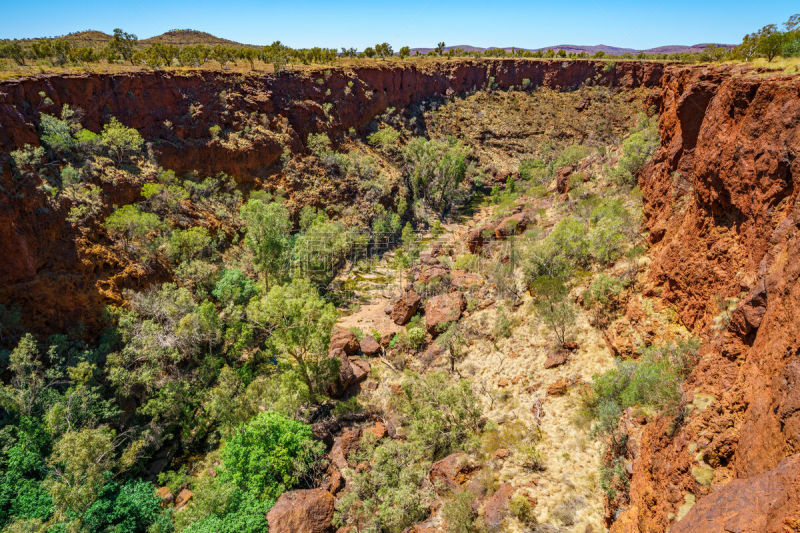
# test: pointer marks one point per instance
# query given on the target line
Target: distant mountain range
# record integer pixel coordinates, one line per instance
(191, 37)
(574, 48)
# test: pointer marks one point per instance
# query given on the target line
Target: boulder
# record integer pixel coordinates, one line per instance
(556, 359)
(360, 369)
(346, 375)
(183, 498)
(512, 225)
(442, 309)
(302, 511)
(404, 308)
(562, 179)
(429, 273)
(369, 346)
(558, 387)
(451, 472)
(345, 340)
(379, 430)
(476, 238)
(461, 279)
(343, 445)
(496, 508)
(165, 495)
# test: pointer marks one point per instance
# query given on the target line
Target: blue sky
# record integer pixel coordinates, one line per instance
(299, 23)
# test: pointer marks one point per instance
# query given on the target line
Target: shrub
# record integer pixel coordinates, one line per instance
(269, 455)
(133, 223)
(458, 514)
(234, 287)
(319, 144)
(389, 495)
(601, 296)
(521, 508)
(442, 416)
(385, 138)
(131, 506)
(436, 169)
(653, 381)
(637, 149)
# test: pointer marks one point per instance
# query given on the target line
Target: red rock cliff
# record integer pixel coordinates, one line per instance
(722, 206)
(59, 280)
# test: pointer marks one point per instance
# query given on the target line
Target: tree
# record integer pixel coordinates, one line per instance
(267, 236)
(550, 299)
(383, 50)
(404, 52)
(269, 455)
(770, 41)
(120, 141)
(13, 51)
(298, 323)
(132, 223)
(122, 45)
(440, 49)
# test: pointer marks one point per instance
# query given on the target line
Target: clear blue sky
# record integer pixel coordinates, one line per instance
(298, 23)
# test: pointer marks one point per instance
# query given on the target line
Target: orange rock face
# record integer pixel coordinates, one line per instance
(722, 206)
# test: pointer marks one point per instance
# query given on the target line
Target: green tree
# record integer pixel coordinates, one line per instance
(122, 45)
(770, 41)
(267, 236)
(298, 321)
(404, 52)
(13, 51)
(132, 223)
(119, 141)
(440, 49)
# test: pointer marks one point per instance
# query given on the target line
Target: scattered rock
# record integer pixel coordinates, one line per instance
(346, 375)
(302, 511)
(429, 273)
(556, 359)
(443, 308)
(558, 388)
(345, 340)
(369, 346)
(496, 508)
(570, 346)
(183, 498)
(404, 308)
(502, 382)
(463, 280)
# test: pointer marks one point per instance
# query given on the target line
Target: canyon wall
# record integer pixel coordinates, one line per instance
(61, 279)
(722, 206)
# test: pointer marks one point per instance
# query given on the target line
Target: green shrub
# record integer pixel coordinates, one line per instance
(436, 170)
(132, 506)
(442, 415)
(385, 138)
(602, 296)
(389, 495)
(653, 381)
(319, 144)
(269, 455)
(234, 287)
(550, 297)
(637, 149)
(458, 514)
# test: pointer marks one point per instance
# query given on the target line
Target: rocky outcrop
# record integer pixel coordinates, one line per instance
(405, 307)
(302, 511)
(722, 205)
(766, 502)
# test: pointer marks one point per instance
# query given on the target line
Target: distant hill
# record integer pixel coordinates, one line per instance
(189, 37)
(573, 48)
(98, 39)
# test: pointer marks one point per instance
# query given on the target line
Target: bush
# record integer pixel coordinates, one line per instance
(637, 149)
(602, 296)
(653, 381)
(389, 495)
(442, 416)
(385, 138)
(458, 514)
(436, 170)
(319, 144)
(234, 287)
(269, 455)
(132, 506)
